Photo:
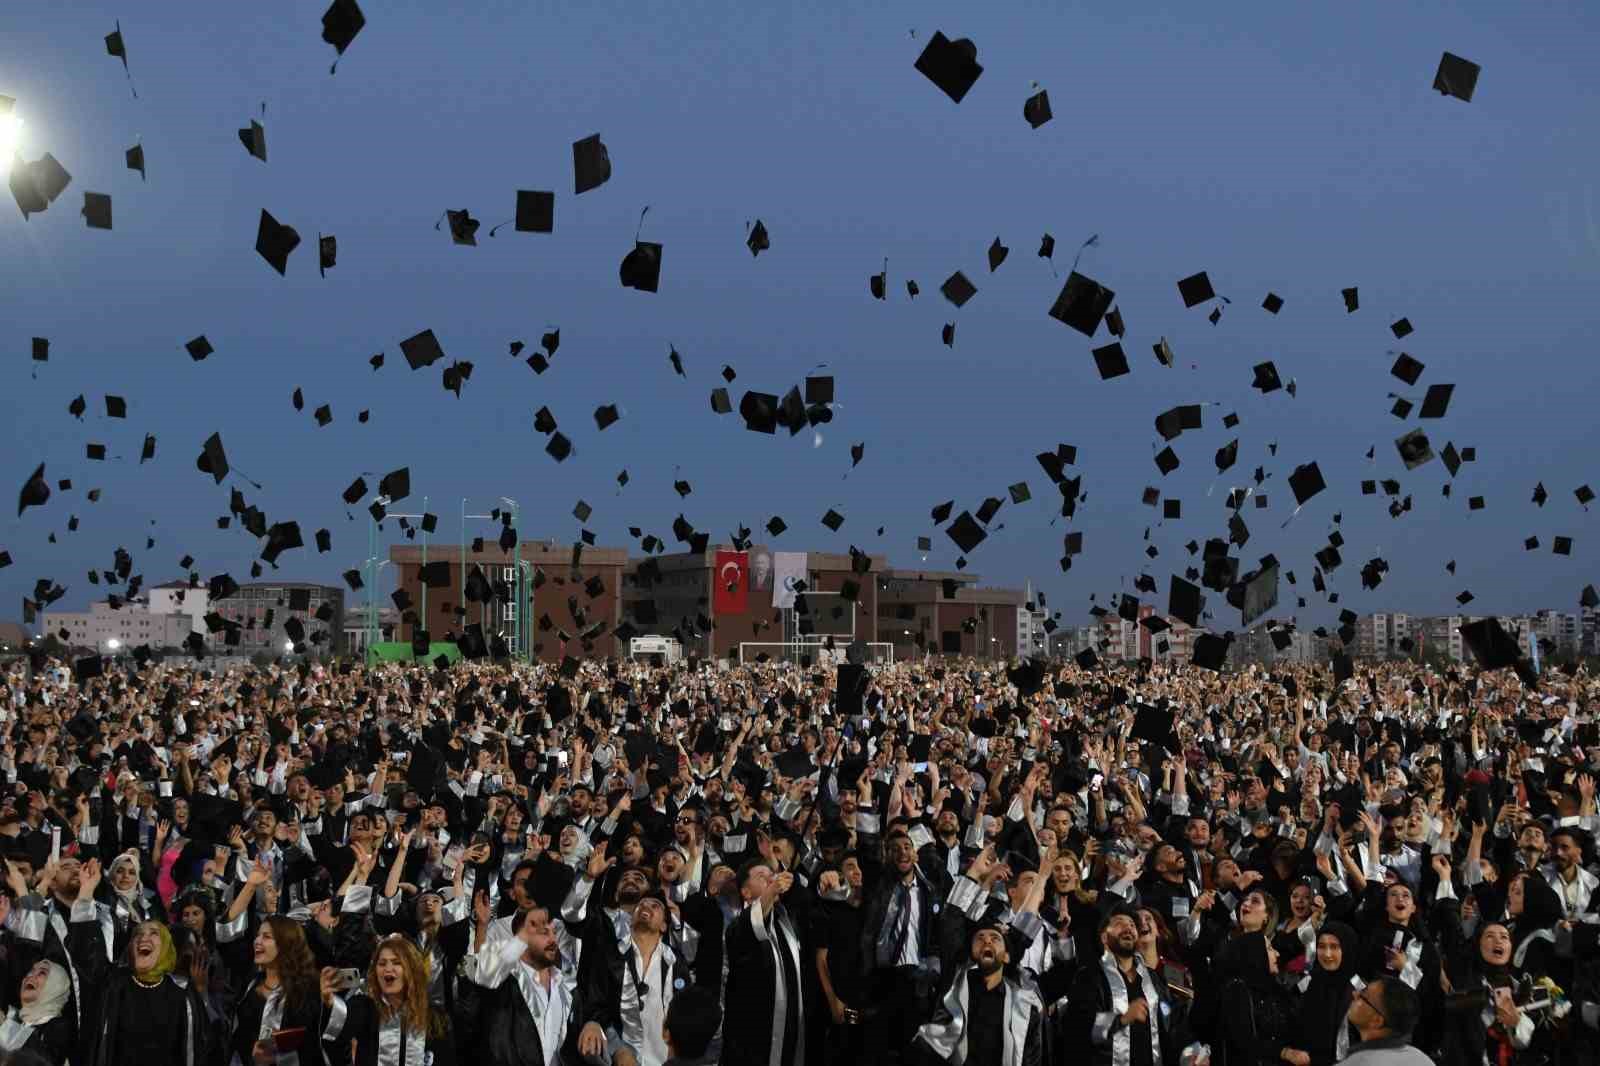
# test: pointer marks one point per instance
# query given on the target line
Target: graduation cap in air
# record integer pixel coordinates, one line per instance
(957, 289)
(1584, 495)
(212, 459)
(1184, 601)
(275, 241)
(605, 415)
(1490, 644)
(135, 159)
(1082, 303)
(1436, 401)
(641, 268)
(1110, 361)
(1306, 482)
(36, 185)
(1456, 77)
(1167, 461)
(1266, 378)
(282, 537)
(757, 241)
(1227, 455)
(1163, 352)
(1414, 449)
(1352, 299)
(1196, 289)
(591, 164)
(97, 210)
(1036, 109)
(951, 65)
(1273, 303)
(254, 139)
(463, 227)
(327, 253)
(421, 350)
(340, 24)
(965, 532)
(396, 484)
(833, 520)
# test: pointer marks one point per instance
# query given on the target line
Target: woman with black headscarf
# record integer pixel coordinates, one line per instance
(1533, 910)
(1256, 1023)
(1325, 993)
(1482, 1020)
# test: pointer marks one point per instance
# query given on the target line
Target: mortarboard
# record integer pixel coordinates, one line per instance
(1352, 299)
(1196, 289)
(758, 240)
(1110, 361)
(965, 532)
(254, 139)
(1306, 481)
(1184, 601)
(1167, 461)
(135, 159)
(536, 212)
(327, 253)
(212, 459)
(1082, 303)
(1456, 77)
(641, 268)
(951, 65)
(1414, 449)
(605, 416)
(833, 520)
(997, 255)
(275, 241)
(340, 24)
(1562, 546)
(1171, 508)
(1019, 492)
(1273, 303)
(1227, 455)
(775, 526)
(97, 210)
(396, 484)
(421, 350)
(591, 164)
(957, 289)
(1407, 369)
(1436, 401)
(1266, 378)
(1036, 109)
(1163, 352)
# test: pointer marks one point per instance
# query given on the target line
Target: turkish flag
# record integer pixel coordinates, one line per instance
(731, 583)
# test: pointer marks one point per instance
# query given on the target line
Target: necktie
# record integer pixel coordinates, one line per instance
(902, 927)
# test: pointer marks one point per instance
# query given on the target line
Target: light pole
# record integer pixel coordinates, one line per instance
(374, 565)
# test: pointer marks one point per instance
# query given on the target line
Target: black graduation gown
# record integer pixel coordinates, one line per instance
(751, 992)
(156, 1025)
(362, 1025)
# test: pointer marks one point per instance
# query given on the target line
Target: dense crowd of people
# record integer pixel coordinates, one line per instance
(781, 865)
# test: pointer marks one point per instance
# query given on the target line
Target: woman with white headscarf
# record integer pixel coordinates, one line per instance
(38, 1024)
(131, 902)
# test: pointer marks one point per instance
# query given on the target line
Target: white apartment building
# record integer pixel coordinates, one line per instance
(110, 631)
(176, 597)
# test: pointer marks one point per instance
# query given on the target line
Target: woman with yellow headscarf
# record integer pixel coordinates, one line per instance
(141, 1013)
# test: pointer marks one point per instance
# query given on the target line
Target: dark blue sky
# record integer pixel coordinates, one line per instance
(1293, 149)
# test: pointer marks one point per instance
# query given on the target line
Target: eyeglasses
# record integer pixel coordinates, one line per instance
(687, 821)
(1373, 1007)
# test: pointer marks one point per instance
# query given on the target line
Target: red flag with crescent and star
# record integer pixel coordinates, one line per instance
(731, 592)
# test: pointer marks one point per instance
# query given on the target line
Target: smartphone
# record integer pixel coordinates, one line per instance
(1096, 782)
(348, 980)
(55, 843)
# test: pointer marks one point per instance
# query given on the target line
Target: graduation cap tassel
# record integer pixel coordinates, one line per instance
(637, 229)
(442, 216)
(1092, 242)
(497, 225)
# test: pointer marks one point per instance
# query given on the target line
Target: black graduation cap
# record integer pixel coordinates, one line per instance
(275, 241)
(135, 159)
(463, 227)
(1196, 289)
(605, 415)
(1352, 299)
(1110, 361)
(957, 289)
(1019, 492)
(536, 212)
(1171, 508)
(323, 415)
(965, 532)
(759, 411)
(1082, 303)
(1036, 109)
(1167, 461)
(1184, 601)
(421, 350)
(1407, 369)
(327, 253)
(641, 268)
(199, 348)
(1154, 725)
(833, 520)
(1436, 401)
(1306, 481)
(340, 24)
(951, 65)
(1456, 77)
(1227, 455)
(435, 574)
(1584, 494)
(97, 210)
(1562, 545)
(396, 484)
(1452, 460)
(1414, 449)
(757, 241)
(282, 537)
(1267, 379)
(213, 460)
(591, 164)
(1273, 303)
(988, 509)
(1491, 645)
(254, 139)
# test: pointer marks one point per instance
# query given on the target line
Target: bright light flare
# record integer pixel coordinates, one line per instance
(113, 643)
(10, 140)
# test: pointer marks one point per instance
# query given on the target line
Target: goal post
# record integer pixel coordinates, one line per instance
(809, 652)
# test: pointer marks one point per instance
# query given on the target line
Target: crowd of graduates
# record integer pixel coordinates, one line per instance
(793, 865)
